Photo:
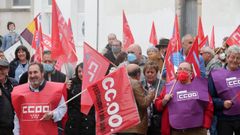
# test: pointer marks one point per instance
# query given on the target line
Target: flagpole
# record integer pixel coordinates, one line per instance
(69, 100)
(173, 86)
(160, 79)
(97, 35)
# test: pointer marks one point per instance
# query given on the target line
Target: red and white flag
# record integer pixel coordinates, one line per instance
(153, 35)
(38, 43)
(95, 67)
(234, 39)
(114, 103)
(174, 46)
(127, 34)
(212, 41)
(193, 58)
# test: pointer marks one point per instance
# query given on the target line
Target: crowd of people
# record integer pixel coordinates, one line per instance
(33, 95)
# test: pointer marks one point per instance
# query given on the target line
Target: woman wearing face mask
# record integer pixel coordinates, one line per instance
(11, 38)
(20, 64)
(78, 123)
(187, 108)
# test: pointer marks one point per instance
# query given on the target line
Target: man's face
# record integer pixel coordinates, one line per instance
(35, 76)
(135, 51)
(187, 43)
(111, 38)
(3, 72)
(47, 59)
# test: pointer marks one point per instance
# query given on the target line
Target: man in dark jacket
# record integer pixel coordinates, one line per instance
(6, 109)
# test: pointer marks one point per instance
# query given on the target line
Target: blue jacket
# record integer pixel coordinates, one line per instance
(9, 40)
(178, 58)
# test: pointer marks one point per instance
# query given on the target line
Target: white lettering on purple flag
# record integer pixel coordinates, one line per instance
(187, 95)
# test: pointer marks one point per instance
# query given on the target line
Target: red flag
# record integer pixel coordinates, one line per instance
(212, 41)
(72, 57)
(153, 35)
(56, 43)
(38, 43)
(95, 67)
(127, 34)
(173, 46)
(234, 39)
(114, 103)
(193, 58)
(204, 42)
(169, 65)
(46, 42)
(200, 30)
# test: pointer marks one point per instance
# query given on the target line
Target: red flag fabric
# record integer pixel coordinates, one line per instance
(114, 103)
(56, 43)
(153, 35)
(234, 39)
(46, 42)
(212, 41)
(173, 46)
(127, 34)
(193, 58)
(200, 30)
(95, 67)
(72, 57)
(170, 73)
(204, 42)
(38, 43)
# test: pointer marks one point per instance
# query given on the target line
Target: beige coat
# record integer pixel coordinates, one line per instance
(143, 101)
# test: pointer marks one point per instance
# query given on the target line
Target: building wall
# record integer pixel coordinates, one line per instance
(224, 15)
(140, 14)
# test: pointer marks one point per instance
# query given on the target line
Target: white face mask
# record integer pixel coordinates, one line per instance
(222, 56)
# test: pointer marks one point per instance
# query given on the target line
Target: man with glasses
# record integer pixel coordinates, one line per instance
(186, 104)
(210, 61)
(116, 49)
(178, 57)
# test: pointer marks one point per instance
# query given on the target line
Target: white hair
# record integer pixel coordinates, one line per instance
(232, 49)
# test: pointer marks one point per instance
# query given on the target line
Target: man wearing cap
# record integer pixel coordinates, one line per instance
(6, 109)
(162, 47)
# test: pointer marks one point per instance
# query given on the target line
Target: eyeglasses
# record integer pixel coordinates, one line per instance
(130, 52)
(190, 42)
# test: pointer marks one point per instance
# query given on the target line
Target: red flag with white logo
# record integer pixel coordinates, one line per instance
(56, 41)
(38, 43)
(153, 35)
(95, 67)
(193, 58)
(114, 103)
(234, 39)
(173, 47)
(212, 41)
(127, 34)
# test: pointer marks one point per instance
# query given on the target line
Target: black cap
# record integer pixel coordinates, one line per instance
(4, 63)
(163, 43)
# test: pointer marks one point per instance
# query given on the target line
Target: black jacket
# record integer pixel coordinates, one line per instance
(78, 123)
(6, 108)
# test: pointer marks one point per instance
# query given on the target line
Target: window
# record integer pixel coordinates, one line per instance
(21, 3)
(49, 2)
